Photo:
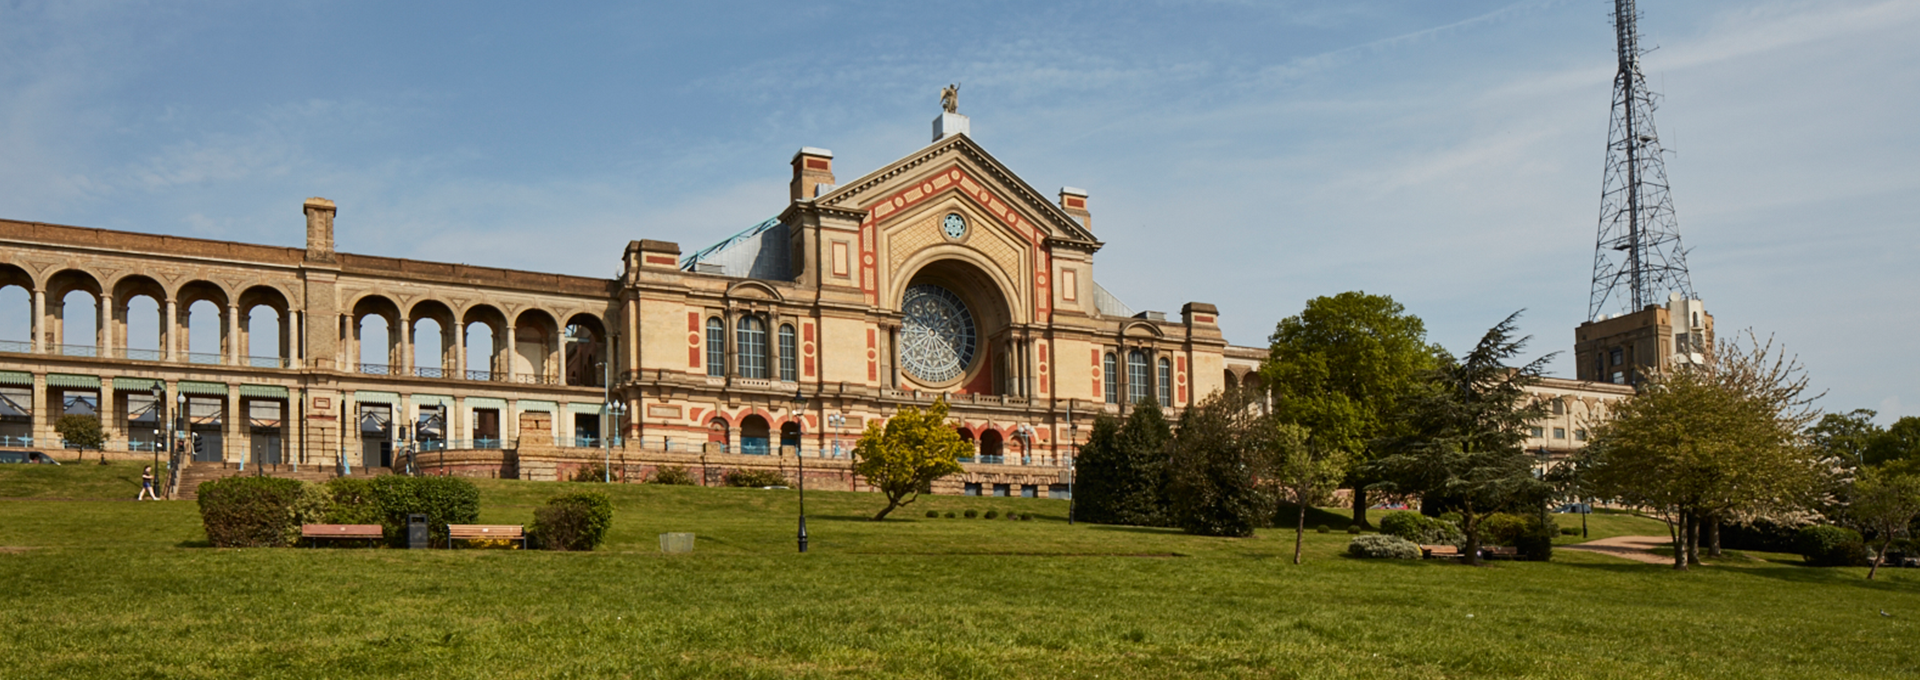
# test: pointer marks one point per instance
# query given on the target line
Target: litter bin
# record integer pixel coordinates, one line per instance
(676, 542)
(417, 536)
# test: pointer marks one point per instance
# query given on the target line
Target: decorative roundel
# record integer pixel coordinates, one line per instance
(954, 225)
(937, 334)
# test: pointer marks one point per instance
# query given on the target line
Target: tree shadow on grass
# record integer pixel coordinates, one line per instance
(202, 543)
(1157, 531)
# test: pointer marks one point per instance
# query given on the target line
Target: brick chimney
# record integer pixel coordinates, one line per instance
(320, 213)
(1074, 201)
(812, 169)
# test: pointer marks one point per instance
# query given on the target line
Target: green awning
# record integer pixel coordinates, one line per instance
(136, 384)
(205, 389)
(73, 381)
(587, 409)
(431, 400)
(486, 402)
(263, 391)
(538, 406)
(16, 378)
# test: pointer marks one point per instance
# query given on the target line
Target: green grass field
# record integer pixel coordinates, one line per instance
(120, 589)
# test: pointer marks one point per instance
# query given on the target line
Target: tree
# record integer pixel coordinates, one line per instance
(1123, 468)
(904, 457)
(80, 431)
(1845, 437)
(1886, 501)
(1700, 443)
(1900, 441)
(1303, 471)
(1339, 367)
(1470, 420)
(1218, 450)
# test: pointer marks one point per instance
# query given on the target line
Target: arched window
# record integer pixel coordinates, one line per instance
(1110, 370)
(1136, 376)
(716, 347)
(789, 354)
(1165, 382)
(750, 346)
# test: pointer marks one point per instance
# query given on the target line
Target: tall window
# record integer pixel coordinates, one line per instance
(789, 354)
(1110, 369)
(1165, 383)
(716, 347)
(1136, 376)
(750, 347)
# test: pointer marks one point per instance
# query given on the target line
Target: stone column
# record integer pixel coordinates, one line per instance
(42, 431)
(39, 320)
(170, 330)
(230, 345)
(105, 339)
(405, 364)
(296, 335)
(512, 352)
(459, 357)
(237, 444)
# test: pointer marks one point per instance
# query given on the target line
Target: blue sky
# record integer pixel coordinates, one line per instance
(1249, 154)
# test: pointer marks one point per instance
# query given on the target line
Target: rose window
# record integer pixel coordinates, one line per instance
(936, 334)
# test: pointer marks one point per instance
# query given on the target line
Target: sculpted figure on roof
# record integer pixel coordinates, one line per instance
(950, 98)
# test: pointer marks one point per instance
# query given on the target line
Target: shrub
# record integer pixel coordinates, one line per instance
(352, 500)
(933, 514)
(1450, 517)
(1024, 517)
(1322, 529)
(949, 514)
(574, 521)
(1353, 529)
(674, 475)
(754, 478)
(971, 513)
(591, 472)
(1830, 546)
(444, 500)
(1421, 529)
(1762, 535)
(993, 514)
(1536, 543)
(1569, 531)
(1502, 528)
(249, 512)
(1383, 546)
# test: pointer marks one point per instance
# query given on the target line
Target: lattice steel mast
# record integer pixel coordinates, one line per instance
(1637, 259)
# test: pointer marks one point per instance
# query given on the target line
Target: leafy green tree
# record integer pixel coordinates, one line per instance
(903, 457)
(80, 431)
(1123, 468)
(1886, 500)
(1339, 367)
(1700, 443)
(1899, 442)
(1470, 420)
(1303, 471)
(1218, 453)
(1845, 437)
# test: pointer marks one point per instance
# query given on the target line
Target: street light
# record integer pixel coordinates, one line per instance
(159, 422)
(1024, 433)
(799, 425)
(1073, 461)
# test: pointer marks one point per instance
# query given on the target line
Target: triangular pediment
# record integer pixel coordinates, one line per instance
(956, 163)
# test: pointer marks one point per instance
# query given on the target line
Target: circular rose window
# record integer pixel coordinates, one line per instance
(936, 335)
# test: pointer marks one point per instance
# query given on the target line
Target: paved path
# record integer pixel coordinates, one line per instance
(1636, 548)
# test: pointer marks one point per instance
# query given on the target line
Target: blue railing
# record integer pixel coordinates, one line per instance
(23, 442)
(203, 358)
(77, 350)
(267, 362)
(15, 346)
(143, 354)
(375, 369)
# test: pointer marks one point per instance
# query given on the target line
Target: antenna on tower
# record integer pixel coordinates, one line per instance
(1637, 259)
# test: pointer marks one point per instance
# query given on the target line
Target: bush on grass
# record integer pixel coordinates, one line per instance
(672, 475)
(1830, 546)
(993, 514)
(1024, 517)
(352, 500)
(1421, 529)
(250, 512)
(1503, 528)
(1569, 531)
(591, 472)
(754, 478)
(1536, 543)
(575, 521)
(972, 513)
(1383, 546)
(933, 514)
(1353, 529)
(444, 500)
(949, 514)
(1322, 529)
(1762, 535)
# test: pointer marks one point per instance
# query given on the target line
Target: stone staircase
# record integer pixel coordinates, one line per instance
(195, 474)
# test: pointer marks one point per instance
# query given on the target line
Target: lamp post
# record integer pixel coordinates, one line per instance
(1024, 433)
(799, 425)
(1073, 461)
(159, 422)
(184, 424)
(836, 421)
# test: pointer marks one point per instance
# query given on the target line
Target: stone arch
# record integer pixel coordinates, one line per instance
(488, 364)
(380, 353)
(536, 338)
(16, 308)
(755, 435)
(992, 445)
(274, 353)
(440, 348)
(66, 290)
(205, 311)
(587, 348)
(751, 289)
(989, 299)
(719, 431)
(135, 323)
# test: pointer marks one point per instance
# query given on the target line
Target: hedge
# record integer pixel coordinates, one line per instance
(250, 512)
(574, 521)
(1383, 546)
(444, 500)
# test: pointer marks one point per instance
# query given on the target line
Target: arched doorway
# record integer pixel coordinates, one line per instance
(790, 436)
(754, 439)
(718, 434)
(954, 332)
(992, 447)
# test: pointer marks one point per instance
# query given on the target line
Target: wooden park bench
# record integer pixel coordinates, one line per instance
(314, 532)
(1433, 551)
(1504, 552)
(485, 532)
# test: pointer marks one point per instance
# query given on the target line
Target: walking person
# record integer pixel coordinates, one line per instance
(146, 486)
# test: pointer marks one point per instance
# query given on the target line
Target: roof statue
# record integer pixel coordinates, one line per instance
(950, 98)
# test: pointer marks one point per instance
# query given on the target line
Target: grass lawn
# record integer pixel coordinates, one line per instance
(124, 589)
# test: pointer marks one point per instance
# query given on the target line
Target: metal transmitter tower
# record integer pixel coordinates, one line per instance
(1637, 260)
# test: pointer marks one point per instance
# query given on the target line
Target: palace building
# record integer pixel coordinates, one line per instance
(941, 274)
